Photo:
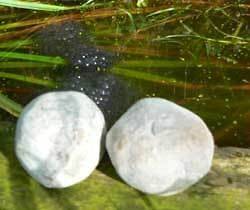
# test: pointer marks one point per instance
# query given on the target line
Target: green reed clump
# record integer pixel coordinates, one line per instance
(191, 33)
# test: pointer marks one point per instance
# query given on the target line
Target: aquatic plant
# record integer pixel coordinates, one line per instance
(175, 38)
(193, 52)
(33, 5)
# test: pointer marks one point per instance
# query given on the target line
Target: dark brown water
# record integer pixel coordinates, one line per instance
(196, 56)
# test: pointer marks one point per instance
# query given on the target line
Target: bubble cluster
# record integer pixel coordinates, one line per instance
(72, 41)
(89, 59)
(110, 93)
(86, 67)
(62, 33)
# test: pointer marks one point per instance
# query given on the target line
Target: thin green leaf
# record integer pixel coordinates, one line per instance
(17, 24)
(33, 5)
(154, 63)
(16, 43)
(222, 41)
(151, 77)
(24, 65)
(9, 105)
(188, 7)
(175, 64)
(47, 83)
(41, 6)
(8, 16)
(30, 57)
(133, 26)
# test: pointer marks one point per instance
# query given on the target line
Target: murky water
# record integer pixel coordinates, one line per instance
(196, 55)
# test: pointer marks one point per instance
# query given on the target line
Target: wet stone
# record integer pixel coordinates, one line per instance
(159, 147)
(59, 138)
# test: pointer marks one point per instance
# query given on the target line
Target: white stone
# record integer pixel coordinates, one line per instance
(158, 147)
(59, 138)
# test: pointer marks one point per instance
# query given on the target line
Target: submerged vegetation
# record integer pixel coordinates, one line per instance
(193, 52)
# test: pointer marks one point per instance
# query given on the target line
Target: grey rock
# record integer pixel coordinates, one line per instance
(59, 138)
(159, 147)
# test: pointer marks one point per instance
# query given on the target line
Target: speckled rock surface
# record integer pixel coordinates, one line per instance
(58, 138)
(159, 147)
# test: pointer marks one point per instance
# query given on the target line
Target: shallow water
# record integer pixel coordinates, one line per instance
(203, 64)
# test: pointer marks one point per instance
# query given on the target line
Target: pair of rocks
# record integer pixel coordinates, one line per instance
(156, 147)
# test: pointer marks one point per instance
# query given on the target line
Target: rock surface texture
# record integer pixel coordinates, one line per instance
(159, 147)
(59, 138)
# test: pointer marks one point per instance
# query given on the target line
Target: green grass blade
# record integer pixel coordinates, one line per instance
(18, 24)
(24, 65)
(176, 64)
(47, 83)
(31, 57)
(32, 5)
(9, 105)
(16, 43)
(41, 6)
(8, 16)
(222, 41)
(133, 26)
(155, 63)
(152, 78)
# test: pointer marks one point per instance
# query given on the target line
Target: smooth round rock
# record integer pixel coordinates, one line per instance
(158, 147)
(59, 138)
